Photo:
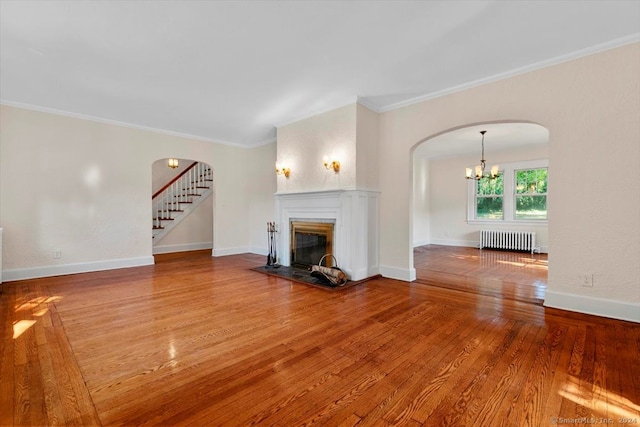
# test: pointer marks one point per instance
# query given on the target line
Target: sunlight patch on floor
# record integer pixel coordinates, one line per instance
(613, 405)
(38, 307)
(21, 326)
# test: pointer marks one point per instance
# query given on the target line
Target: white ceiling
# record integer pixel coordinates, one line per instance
(230, 71)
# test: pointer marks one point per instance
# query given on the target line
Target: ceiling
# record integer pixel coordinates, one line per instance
(230, 71)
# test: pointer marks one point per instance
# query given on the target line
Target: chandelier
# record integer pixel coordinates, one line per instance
(479, 169)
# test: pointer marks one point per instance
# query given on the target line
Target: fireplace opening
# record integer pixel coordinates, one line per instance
(310, 241)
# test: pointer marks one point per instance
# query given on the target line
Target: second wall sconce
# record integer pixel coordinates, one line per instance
(333, 164)
(172, 163)
(283, 170)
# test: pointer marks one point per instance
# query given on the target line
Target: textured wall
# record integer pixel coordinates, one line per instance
(302, 146)
(591, 107)
(84, 187)
(261, 185)
(367, 141)
(421, 205)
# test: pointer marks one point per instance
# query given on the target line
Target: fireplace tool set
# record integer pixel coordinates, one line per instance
(272, 258)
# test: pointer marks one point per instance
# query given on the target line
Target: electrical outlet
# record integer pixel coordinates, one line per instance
(57, 254)
(586, 280)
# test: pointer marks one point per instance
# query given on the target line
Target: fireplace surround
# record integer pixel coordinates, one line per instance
(354, 216)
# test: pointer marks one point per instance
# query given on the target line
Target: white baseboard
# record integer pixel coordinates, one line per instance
(258, 250)
(167, 249)
(230, 251)
(417, 243)
(84, 267)
(404, 274)
(598, 306)
(465, 243)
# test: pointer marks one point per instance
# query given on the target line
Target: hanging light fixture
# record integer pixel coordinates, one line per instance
(479, 170)
(172, 163)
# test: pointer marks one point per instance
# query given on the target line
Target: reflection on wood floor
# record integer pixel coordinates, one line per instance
(203, 341)
(514, 275)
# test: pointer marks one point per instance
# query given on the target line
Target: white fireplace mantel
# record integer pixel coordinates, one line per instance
(355, 213)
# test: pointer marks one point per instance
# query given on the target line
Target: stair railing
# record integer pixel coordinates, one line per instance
(180, 189)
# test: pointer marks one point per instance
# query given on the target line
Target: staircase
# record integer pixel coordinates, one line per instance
(178, 198)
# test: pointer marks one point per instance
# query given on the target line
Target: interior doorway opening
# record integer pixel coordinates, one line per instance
(447, 218)
(182, 206)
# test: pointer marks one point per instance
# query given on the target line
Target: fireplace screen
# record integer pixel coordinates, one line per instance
(309, 242)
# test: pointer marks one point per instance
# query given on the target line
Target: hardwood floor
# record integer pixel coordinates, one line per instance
(196, 340)
(505, 274)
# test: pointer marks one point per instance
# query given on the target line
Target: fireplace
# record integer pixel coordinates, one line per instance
(310, 241)
(353, 216)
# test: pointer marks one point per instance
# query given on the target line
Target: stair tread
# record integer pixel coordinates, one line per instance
(194, 186)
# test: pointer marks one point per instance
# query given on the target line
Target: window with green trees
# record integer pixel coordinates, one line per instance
(519, 193)
(531, 193)
(489, 198)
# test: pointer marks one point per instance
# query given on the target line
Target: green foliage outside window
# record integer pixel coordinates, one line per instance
(531, 194)
(488, 198)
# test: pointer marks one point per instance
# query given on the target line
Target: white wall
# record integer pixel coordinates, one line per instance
(302, 146)
(447, 206)
(591, 107)
(83, 187)
(261, 185)
(162, 174)
(367, 142)
(421, 202)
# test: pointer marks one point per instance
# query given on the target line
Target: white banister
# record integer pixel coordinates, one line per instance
(167, 204)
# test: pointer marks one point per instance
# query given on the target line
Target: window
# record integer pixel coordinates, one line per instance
(531, 194)
(489, 198)
(518, 194)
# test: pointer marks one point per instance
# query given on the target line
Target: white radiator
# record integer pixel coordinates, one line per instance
(513, 240)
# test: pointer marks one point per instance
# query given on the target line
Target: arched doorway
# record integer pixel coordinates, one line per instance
(182, 206)
(450, 211)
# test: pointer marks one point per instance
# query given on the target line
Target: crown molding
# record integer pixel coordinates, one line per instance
(623, 41)
(633, 38)
(368, 104)
(124, 124)
(353, 100)
(261, 143)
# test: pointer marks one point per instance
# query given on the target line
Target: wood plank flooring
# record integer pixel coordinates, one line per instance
(504, 274)
(196, 340)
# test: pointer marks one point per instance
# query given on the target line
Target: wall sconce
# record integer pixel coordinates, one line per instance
(172, 163)
(334, 164)
(283, 170)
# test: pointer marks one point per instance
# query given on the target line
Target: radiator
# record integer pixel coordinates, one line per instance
(513, 240)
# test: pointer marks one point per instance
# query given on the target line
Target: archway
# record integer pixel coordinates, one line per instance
(182, 207)
(448, 211)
